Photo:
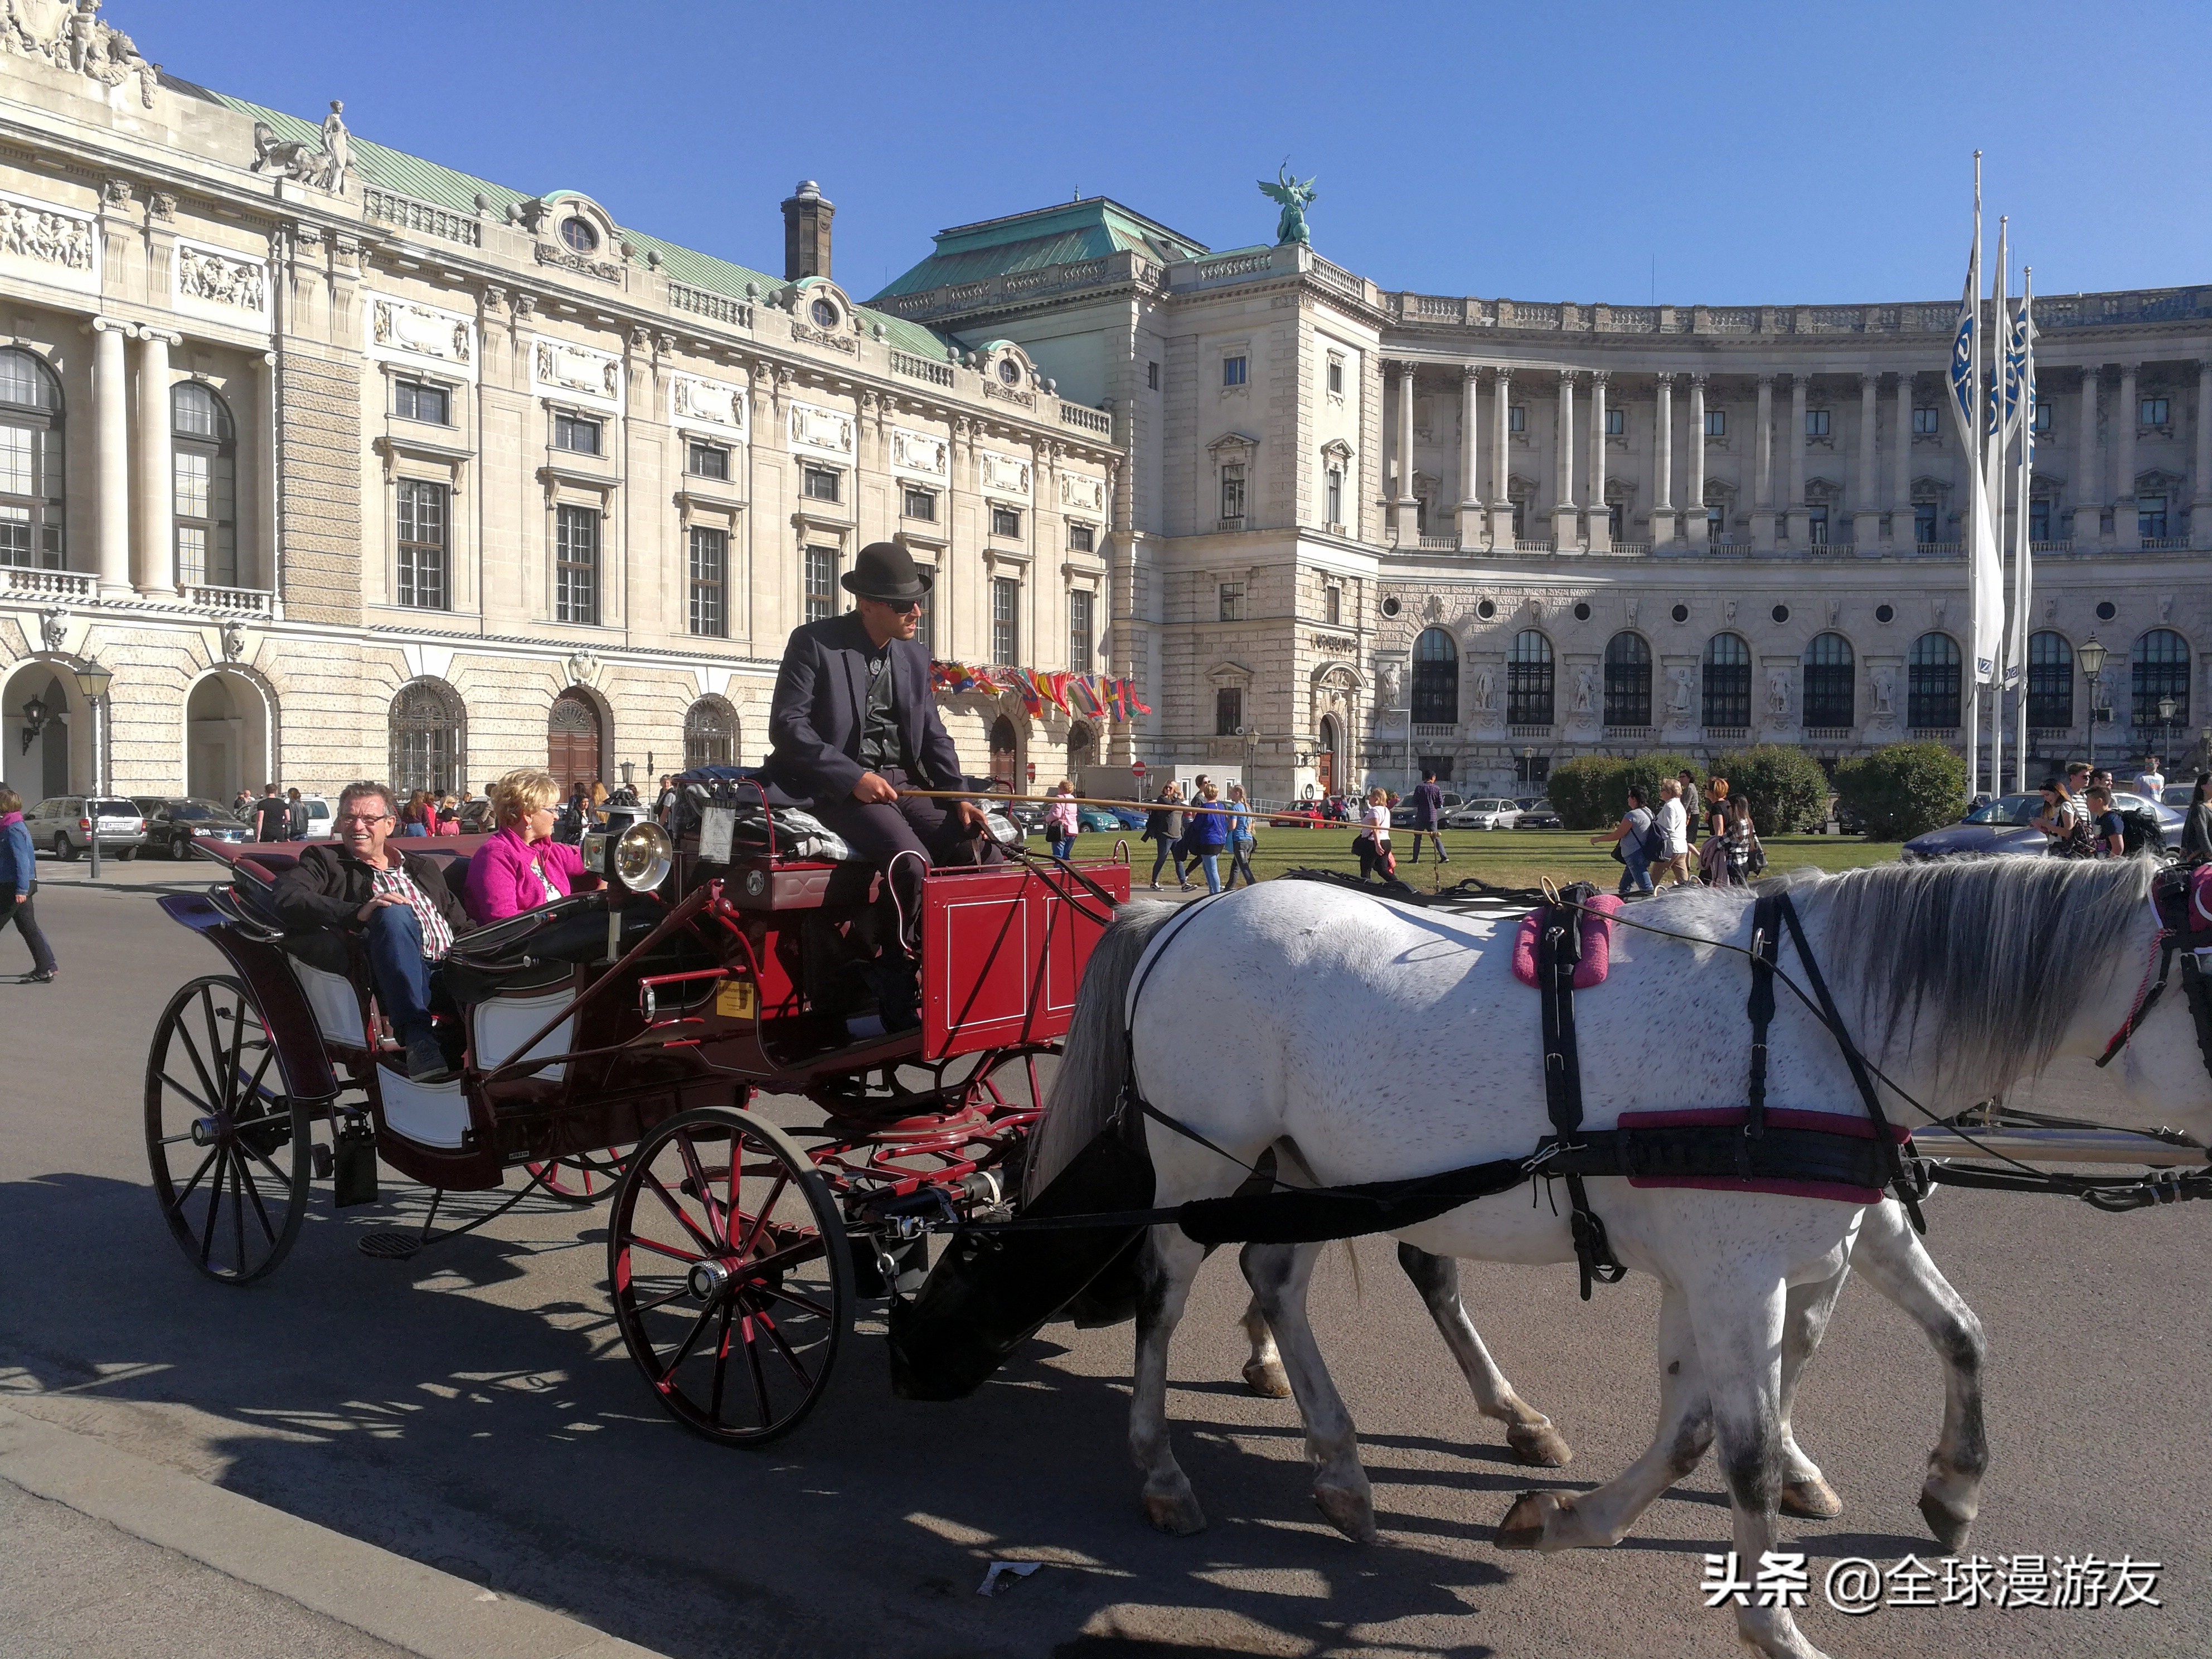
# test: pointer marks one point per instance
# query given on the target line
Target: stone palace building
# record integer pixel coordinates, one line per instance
(345, 463)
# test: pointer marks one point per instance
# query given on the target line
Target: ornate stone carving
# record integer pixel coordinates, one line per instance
(558, 367)
(69, 34)
(116, 192)
(53, 627)
(835, 339)
(221, 279)
(827, 431)
(695, 400)
(1080, 493)
(1780, 702)
(1005, 475)
(1296, 197)
(1386, 682)
(46, 236)
(326, 169)
(605, 270)
(1585, 701)
(234, 639)
(1885, 694)
(525, 307)
(925, 452)
(1485, 690)
(583, 668)
(162, 205)
(404, 328)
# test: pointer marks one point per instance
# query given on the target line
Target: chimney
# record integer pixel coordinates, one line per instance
(806, 233)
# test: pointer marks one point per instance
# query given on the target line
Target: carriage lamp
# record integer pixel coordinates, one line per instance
(629, 852)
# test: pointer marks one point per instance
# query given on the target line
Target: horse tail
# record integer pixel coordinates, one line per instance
(1086, 1087)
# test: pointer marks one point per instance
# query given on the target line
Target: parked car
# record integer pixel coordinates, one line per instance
(174, 823)
(1305, 815)
(1485, 812)
(62, 825)
(2000, 828)
(1539, 814)
(2177, 795)
(1090, 819)
(319, 826)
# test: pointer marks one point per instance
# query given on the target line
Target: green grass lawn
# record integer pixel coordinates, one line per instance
(1510, 858)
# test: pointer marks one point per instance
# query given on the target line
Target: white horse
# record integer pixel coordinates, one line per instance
(1344, 1031)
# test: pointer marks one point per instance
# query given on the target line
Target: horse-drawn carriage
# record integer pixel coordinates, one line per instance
(611, 1042)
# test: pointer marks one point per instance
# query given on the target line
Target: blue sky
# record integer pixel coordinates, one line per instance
(1722, 154)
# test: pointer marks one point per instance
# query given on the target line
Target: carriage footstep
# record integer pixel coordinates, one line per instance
(389, 1246)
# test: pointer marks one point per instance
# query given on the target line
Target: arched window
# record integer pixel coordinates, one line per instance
(1528, 680)
(1005, 752)
(2158, 667)
(710, 734)
(1436, 679)
(1627, 681)
(206, 488)
(427, 738)
(1931, 679)
(1830, 697)
(30, 463)
(1727, 681)
(2049, 682)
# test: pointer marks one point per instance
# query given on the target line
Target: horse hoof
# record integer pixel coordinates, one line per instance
(1811, 1500)
(1175, 1513)
(1539, 1445)
(1522, 1528)
(1266, 1378)
(1949, 1525)
(1351, 1513)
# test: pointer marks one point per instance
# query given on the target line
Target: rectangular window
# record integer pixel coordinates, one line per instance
(1336, 377)
(1232, 601)
(576, 564)
(1234, 369)
(820, 483)
(192, 555)
(413, 400)
(925, 629)
(2150, 517)
(1082, 538)
(1332, 607)
(420, 578)
(576, 434)
(1335, 495)
(1616, 422)
(710, 560)
(2039, 519)
(1007, 522)
(1082, 648)
(1228, 710)
(1233, 492)
(821, 579)
(1152, 376)
(1716, 423)
(2153, 412)
(1615, 522)
(1817, 524)
(1516, 417)
(1006, 620)
(1923, 522)
(1923, 421)
(918, 504)
(707, 461)
(16, 470)
(1816, 422)
(2042, 417)
(204, 502)
(1716, 523)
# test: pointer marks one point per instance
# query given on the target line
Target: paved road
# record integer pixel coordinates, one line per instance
(474, 1411)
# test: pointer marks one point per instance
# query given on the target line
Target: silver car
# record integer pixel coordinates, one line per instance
(1487, 813)
(64, 825)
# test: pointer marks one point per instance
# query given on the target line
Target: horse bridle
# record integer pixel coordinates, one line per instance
(2170, 901)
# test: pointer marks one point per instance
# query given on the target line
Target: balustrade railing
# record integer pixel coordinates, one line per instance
(1828, 734)
(2164, 543)
(1544, 546)
(718, 308)
(246, 601)
(1440, 544)
(1099, 421)
(60, 584)
(921, 368)
(410, 213)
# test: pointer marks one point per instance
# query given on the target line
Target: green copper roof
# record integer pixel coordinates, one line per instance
(450, 188)
(1088, 229)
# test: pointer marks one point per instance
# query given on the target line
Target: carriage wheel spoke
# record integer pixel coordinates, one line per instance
(238, 1211)
(784, 1348)
(797, 1300)
(682, 1289)
(253, 1189)
(211, 1023)
(237, 1041)
(192, 1053)
(706, 1245)
(205, 1109)
(721, 1361)
(753, 1366)
(791, 1256)
(706, 1190)
(670, 1251)
(215, 1201)
(253, 1084)
(684, 1353)
(177, 1203)
(766, 1209)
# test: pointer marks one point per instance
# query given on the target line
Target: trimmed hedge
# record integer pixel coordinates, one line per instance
(1591, 790)
(1903, 791)
(1786, 787)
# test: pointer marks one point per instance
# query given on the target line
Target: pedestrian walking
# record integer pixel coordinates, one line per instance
(1429, 815)
(296, 817)
(1690, 802)
(1713, 851)
(2108, 830)
(271, 817)
(1206, 834)
(1373, 842)
(240, 802)
(1163, 824)
(448, 819)
(1747, 859)
(1633, 842)
(2061, 819)
(2150, 780)
(1061, 822)
(420, 817)
(1672, 822)
(1242, 841)
(19, 884)
(2196, 827)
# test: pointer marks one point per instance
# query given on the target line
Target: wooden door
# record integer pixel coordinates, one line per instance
(572, 742)
(1325, 762)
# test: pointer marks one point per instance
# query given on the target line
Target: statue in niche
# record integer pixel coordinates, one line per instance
(1585, 690)
(1296, 197)
(1885, 693)
(1386, 683)
(1485, 687)
(1777, 696)
(1683, 698)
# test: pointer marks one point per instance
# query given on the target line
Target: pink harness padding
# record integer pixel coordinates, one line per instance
(1835, 1123)
(2200, 899)
(1597, 945)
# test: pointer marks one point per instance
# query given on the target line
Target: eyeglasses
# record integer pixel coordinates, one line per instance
(364, 819)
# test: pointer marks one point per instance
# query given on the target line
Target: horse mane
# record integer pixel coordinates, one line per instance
(1984, 959)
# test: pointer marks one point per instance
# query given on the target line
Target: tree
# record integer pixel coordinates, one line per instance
(1904, 790)
(1786, 788)
(1588, 791)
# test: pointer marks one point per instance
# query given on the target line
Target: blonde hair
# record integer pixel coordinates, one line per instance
(517, 794)
(1207, 792)
(1378, 794)
(9, 800)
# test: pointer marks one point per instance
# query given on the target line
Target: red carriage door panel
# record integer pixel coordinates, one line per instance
(1003, 956)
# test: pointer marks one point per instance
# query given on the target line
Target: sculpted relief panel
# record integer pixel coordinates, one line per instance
(49, 244)
(825, 431)
(218, 282)
(1005, 475)
(922, 453)
(560, 370)
(406, 330)
(717, 406)
(1081, 494)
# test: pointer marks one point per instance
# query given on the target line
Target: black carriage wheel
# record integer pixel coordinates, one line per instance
(583, 1179)
(733, 1282)
(231, 1152)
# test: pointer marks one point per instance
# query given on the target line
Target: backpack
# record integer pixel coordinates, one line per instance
(2140, 830)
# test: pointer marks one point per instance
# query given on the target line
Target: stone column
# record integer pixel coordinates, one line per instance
(1694, 529)
(2125, 533)
(1663, 462)
(154, 562)
(2200, 499)
(2088, 490)
(1404, 506)
(1900, 464)
(111, 451)
(259, 570)
(1762, 496)
(1800, 520)
(1470, 517)
(1601, 522)
(1563, 532)
(1866, 512)
(1501, 459)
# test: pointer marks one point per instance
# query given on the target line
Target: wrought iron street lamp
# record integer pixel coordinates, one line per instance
(93, 680)
(34, 720)
(2091, 656)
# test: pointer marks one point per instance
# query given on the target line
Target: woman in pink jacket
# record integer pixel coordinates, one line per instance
(521, 867)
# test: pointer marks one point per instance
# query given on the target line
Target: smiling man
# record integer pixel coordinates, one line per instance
(398, 902)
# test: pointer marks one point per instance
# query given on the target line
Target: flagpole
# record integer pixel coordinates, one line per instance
(1977, 507)
(1993, 467)
(2023, 570)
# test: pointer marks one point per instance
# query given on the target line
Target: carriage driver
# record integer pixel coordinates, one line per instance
(398, 902)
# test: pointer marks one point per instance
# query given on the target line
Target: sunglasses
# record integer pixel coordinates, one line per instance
(901, 607)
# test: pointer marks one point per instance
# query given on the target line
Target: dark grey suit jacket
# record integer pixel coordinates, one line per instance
(814, 723)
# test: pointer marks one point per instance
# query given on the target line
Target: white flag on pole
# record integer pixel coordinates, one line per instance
(1984, 571)
(2020, 412)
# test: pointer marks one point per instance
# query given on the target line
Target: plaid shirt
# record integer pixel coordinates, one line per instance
(437, 933)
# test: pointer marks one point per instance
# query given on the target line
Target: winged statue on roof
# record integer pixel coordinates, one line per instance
(1296, 197)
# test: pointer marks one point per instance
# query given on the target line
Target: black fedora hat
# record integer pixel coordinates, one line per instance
(884, 570)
